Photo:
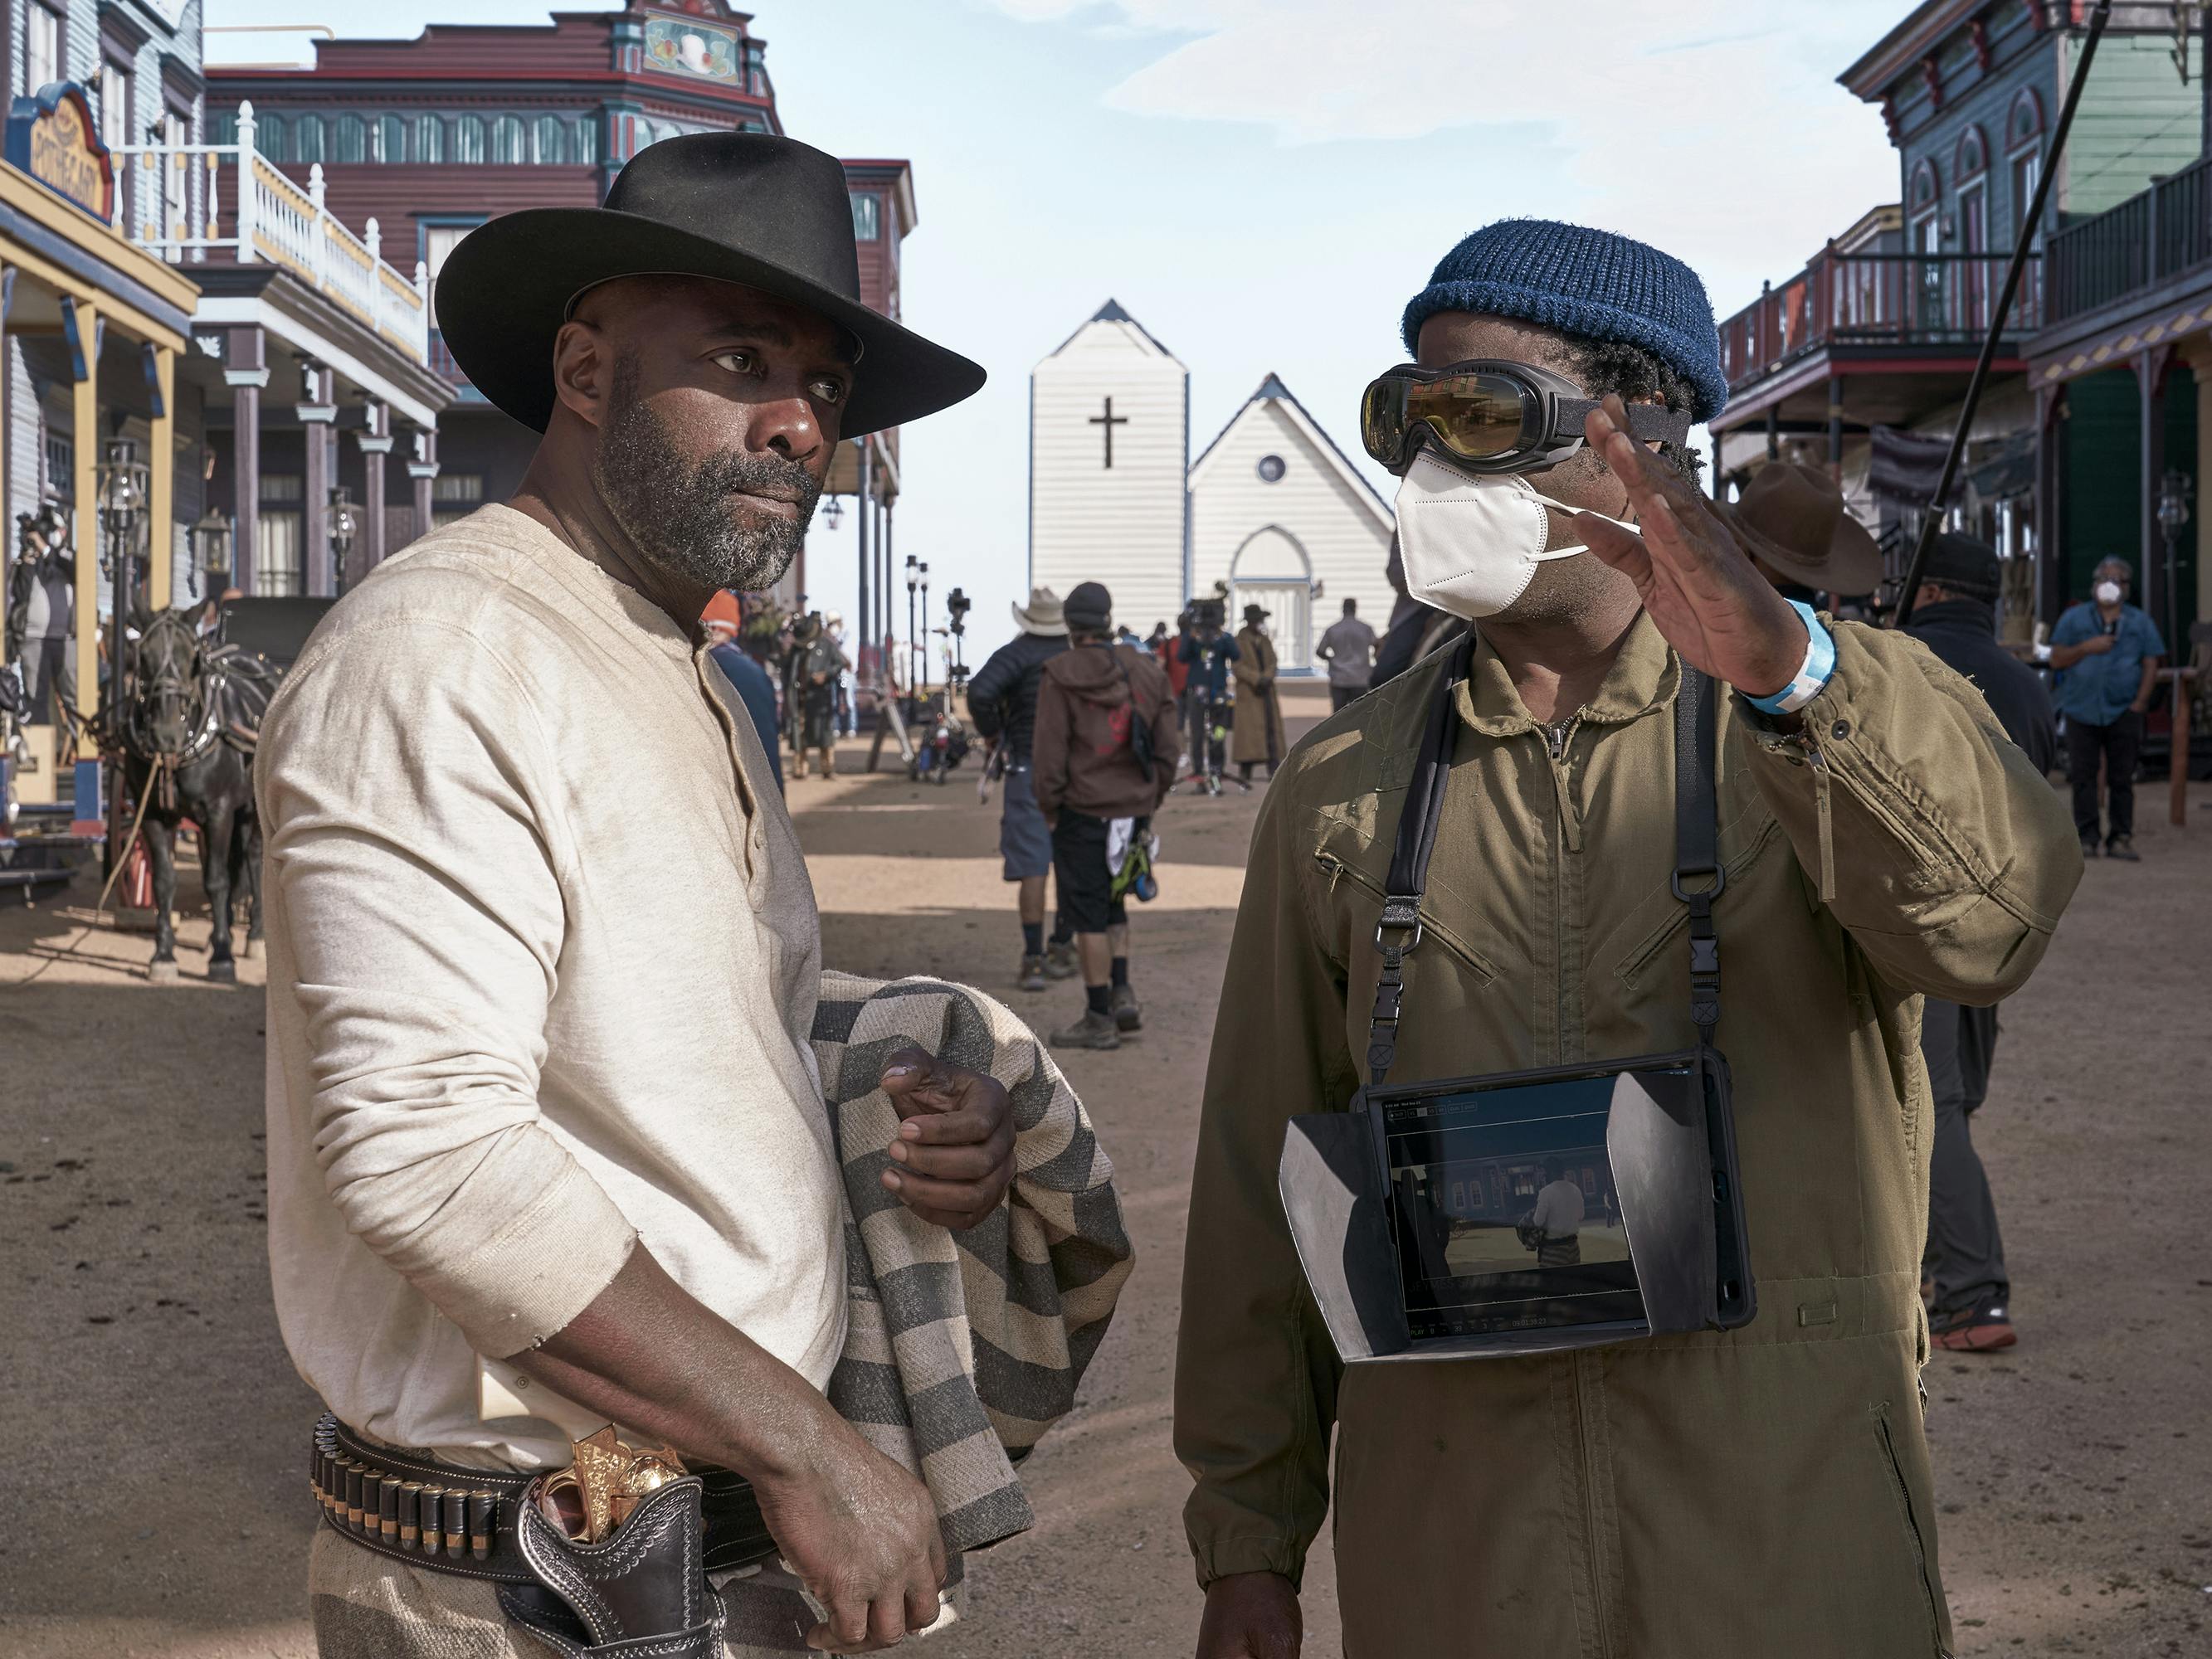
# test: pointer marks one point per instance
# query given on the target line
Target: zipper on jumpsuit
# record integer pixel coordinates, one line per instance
(1819, 762)
(1585, 1368)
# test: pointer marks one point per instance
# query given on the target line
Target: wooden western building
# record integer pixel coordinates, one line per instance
(1860, 360)
(165, 289)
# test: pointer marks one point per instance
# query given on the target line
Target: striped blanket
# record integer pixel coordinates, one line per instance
(965, 1347)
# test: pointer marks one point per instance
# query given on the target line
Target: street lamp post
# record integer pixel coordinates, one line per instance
(2173, 516)
(911, 683)
(345, 525)
(122, 485)
(211, 553)
(921, 641)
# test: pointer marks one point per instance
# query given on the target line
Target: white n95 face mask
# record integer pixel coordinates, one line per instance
(1471, 545)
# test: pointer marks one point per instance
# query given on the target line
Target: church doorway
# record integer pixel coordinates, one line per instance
(1271, 570)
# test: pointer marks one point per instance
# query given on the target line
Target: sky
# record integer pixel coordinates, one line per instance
(1263, 184)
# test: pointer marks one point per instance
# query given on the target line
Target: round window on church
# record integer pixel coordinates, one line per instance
(1272, 469)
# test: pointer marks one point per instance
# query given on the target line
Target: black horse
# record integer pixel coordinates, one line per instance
(186, 729)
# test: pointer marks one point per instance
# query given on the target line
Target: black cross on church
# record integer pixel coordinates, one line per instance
(1109, 420)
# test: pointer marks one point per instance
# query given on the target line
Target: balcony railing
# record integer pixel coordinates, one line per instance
(1875, 299)
(171, 201)
(2160, 233)
(442, 364)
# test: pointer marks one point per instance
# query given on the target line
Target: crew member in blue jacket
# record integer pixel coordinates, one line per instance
(2107, 654)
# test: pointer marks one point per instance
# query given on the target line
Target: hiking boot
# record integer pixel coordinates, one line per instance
(1059, 960)
(1128, 1014)
(1093, 1030)
(1030, 975)
(1974, 1330)
(2122, 847)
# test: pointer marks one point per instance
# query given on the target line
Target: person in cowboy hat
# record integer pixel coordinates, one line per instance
(1968, 1288)
(1804, 539)
(1002, 701)
(818, 665)
(1257, 737)
(543, 1125)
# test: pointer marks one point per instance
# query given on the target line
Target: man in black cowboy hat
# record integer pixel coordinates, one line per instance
(1257, 737)
(1968, 1287)
(548, 1148)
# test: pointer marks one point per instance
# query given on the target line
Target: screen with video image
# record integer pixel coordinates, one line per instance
(1504, 1212)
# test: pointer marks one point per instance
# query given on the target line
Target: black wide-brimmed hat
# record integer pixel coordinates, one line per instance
(741, 207)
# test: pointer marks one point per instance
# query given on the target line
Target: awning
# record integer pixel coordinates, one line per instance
(1907, 465)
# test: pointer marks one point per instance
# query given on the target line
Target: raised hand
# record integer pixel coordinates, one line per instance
(1695, 578)
(955, 1148)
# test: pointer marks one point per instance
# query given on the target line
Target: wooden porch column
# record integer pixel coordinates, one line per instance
(2198, 606)
(422, 469)
(1836, 433)
(245, 372)
(2150, 450)
(2049, 539)
(84, 329)
(318, 416)
(161, 480)
(375, 441)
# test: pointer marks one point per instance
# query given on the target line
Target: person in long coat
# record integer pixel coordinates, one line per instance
(1258, 738)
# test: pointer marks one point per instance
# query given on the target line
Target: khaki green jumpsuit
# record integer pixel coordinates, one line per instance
(1763, 1492)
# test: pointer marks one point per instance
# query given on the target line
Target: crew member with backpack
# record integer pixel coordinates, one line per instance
(1104, 757)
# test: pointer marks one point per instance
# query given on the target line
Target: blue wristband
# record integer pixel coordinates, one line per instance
(1813, 674)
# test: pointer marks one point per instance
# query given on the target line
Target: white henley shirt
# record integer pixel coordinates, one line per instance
(542, 965)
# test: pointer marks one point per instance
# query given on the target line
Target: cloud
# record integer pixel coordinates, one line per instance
(1700, 125)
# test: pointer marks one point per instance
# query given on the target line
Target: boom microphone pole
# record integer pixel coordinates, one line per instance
(1932, 521)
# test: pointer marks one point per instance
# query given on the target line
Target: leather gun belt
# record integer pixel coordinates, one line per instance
(448, 1519)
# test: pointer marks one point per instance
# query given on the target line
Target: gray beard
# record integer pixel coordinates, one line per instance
(679, 517)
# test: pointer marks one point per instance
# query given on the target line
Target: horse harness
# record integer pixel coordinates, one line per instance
(224, 691)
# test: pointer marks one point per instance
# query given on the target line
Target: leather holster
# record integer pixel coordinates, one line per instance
(644, 1590)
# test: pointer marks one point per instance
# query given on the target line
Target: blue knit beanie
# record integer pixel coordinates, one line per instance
(1584, 282)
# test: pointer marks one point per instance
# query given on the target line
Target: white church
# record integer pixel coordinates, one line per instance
(1272, 507)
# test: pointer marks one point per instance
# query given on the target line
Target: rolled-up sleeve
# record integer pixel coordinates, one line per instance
(414, 861)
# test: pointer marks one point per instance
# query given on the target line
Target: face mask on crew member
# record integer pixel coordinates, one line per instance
(1471, 545)
(2108, 593)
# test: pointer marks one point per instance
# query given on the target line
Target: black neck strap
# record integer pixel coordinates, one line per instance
(1698, 879)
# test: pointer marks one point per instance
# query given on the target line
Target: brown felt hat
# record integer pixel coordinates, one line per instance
(1796, 521)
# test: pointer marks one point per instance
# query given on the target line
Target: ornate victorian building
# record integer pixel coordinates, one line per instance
(431, 137)
(195, 353)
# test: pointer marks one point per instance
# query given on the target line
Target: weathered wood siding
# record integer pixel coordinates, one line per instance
(1343, 533)
(1124, 525)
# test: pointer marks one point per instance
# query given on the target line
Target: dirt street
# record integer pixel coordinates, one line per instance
(151, 1482)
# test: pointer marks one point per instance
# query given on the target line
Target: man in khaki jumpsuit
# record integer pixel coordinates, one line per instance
(1745, 1495)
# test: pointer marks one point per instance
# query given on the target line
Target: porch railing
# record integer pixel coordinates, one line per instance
(171, 201)
(2154, 235)
(1872, 299)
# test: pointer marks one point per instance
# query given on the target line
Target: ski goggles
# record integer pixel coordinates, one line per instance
(1490, 415)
